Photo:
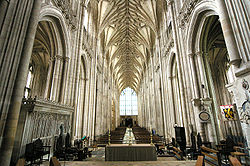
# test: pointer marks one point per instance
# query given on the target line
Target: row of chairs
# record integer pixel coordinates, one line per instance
(142, 135)
(63, 150)
(35, 151)
(233, 161)
(116, 137)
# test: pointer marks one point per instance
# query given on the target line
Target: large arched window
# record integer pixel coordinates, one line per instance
(128, 102)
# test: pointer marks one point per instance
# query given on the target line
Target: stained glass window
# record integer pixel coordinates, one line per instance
(128, 102)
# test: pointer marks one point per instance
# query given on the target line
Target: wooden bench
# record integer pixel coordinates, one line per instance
(211, 156)
(178, 153)
(238, 155)
(20, 162)
(54, 162)
(200, 161)
(234, 161)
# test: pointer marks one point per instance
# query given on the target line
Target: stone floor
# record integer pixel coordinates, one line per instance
(126, 163)
(98, 159)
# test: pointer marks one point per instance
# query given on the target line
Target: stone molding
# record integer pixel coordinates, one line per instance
(168, 46)
(30, 103)
(186, 11)
(68, 13)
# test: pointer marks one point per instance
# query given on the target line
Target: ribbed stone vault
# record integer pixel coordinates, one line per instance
(127, 29)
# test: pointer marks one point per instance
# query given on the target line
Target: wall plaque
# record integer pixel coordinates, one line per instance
(204, 116)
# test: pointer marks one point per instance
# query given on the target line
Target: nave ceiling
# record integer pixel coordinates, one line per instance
(127, 31)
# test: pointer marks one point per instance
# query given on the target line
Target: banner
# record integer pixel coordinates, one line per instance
(228, 112)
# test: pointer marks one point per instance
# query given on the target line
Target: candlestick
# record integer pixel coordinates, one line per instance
(151, 136)
(109, 137)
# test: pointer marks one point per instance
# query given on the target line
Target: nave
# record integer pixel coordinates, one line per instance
(80, 74)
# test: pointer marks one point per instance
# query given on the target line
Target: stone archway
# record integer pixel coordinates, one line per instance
(212, 73)
(79, 120)
(219, 73)
(42, 110)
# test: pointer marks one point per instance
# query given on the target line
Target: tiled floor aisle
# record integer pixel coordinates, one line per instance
(129, 137)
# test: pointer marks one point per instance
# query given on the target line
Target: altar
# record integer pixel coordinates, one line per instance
(134, 152)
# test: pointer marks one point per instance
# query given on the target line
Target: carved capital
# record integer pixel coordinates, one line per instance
(199, 53)
(191, 55)
(66, 59)
(170, 2)
(52, 58)
(58, 57)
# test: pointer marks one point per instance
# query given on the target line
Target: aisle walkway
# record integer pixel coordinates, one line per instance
(129, 136)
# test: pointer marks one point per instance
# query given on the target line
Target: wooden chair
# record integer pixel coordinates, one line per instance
(178, 153)
(234, 161)
(238, 155)
(200, 161)
(54, 162)
(20, 162)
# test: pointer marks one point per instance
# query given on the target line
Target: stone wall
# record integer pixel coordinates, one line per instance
(40, 119)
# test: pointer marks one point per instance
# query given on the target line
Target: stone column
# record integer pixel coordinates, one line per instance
(13, 31)
(98, 106)
(161, 84)
(49, 78)
(196, 97)
(3, 9)
(93, 101)
(152, 93)
(57, 76)
(162, 96)
(204, 90)
(148, 84)
(143, 107)
(166, 101)
(103, 104)
(90, 111)
(181, 72)
(87, 99)
(200, 127)
(211, 127)
(81, 99)
(226, 26)
(64, 79)
(190, 91)
(16, 100)
(86, 106)
(238, 12)
(145, 94)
